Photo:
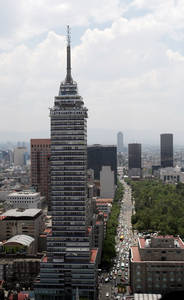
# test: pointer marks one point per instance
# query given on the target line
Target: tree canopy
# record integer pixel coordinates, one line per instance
(158, 207)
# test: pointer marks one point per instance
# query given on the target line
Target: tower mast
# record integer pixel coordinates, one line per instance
(68, 70)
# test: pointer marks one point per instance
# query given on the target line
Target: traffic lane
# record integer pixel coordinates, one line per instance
(105, 288)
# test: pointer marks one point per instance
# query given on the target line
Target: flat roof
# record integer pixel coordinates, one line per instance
(40, 141)
(24, 193)
(108, 200)
(135, 254)
(147, 296)
(48, 230)
(30, 212)
(142, 241)
(22, 239)
(45, 258)
(93, 255)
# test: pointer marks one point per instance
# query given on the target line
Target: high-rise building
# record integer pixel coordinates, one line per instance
(101, 155)
(19, 156)
(69, 269)
(166, 150)
(134, 160)
(119, 142)
(40, 175)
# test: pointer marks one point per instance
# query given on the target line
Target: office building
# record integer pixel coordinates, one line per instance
(120, 142)
(40, 174)
(107, 186)
(157, 265)
(69, 269)
(20, 156)
(166, 150)
(21, 222)
(99, 156)
(134, 160)
(24, 200)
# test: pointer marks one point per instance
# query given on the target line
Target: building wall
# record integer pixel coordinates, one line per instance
(134, 156)
(157, 277)
(10, 227)
(166, 150)
(171, 175)
(40, 166)
(22, 270)
(23, 200)
(19, 156)
(120, 142)
(107, 186)
(98, 156)
(157, 266)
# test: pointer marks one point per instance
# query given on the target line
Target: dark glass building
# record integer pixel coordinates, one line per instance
(134, 156)
(134, 159)
(100, 155)
(166, 150)
(69, 269)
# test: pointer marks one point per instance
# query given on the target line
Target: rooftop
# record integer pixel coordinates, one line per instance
(44, 259)
(135, 254)
(30, 212)
(24, 193)
(147, 296)
(104, 200)
(93, 255)
(22, 239)
(147, 243)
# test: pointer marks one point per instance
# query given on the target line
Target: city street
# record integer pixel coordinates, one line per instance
(118, 276)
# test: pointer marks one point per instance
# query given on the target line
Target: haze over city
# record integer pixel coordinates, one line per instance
(127, 57)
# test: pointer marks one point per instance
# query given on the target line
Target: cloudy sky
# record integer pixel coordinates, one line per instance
(127, 57)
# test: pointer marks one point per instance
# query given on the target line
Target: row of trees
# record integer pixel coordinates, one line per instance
(109, 252)
(158, 207)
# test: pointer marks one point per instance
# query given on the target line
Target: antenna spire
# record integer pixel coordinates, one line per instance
(68, 74)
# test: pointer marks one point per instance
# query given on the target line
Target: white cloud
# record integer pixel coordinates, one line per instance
(128, 72)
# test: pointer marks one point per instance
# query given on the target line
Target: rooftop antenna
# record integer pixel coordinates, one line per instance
(68, 74)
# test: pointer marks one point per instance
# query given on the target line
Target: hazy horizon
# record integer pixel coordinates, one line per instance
(127, 58)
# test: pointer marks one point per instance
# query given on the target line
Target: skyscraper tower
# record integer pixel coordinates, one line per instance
(134, 160)
(40, 156)
(119, 142)
(166, 150)
(69, 269)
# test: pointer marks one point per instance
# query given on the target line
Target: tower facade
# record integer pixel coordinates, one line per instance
(166, 150)
(134, 160)
(102, 155)
(69, 269)
(40, 165)
(120, 142)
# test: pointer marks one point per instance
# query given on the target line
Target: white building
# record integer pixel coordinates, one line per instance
(107, 186)
(120, 142)
(24, 200)
(19, 156)
(171, 175)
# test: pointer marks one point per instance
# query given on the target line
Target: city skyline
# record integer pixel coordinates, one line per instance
(138, 89)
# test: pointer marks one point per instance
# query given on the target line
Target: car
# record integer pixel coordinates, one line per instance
(106, 279)
(107, 294)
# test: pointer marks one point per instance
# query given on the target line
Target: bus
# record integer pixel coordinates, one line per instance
(121, 238)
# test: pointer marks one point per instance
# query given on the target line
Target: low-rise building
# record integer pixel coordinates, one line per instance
(15, 221)
(157, 265)
(171, 175)
(24, 200)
